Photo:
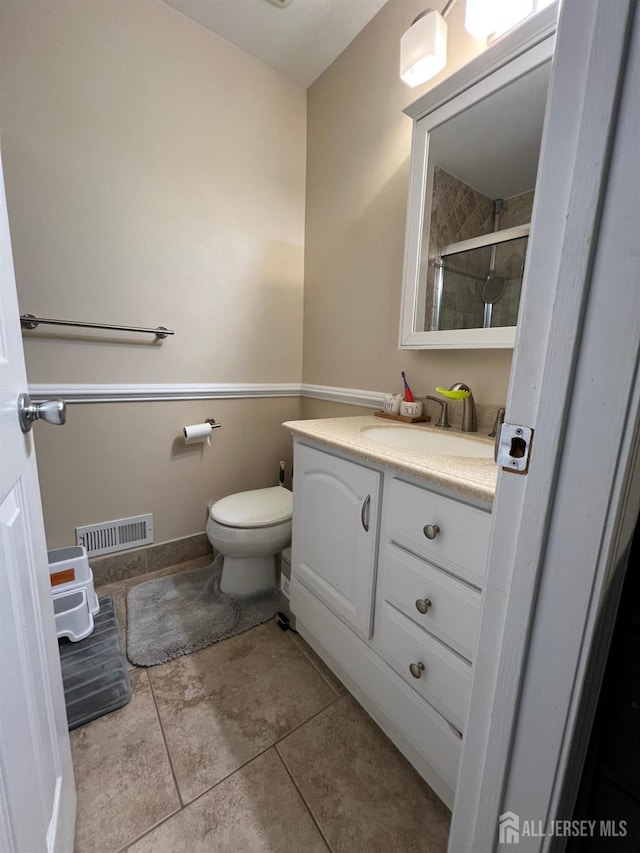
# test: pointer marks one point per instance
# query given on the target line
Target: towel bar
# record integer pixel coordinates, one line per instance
(29, 321)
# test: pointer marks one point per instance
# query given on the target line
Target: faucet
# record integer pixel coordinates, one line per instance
(498, 422)
(443, 421)
(469, 420)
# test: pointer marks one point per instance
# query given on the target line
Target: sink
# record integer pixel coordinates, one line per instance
(417, 438)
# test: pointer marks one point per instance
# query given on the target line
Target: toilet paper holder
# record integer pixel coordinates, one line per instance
(199, 433)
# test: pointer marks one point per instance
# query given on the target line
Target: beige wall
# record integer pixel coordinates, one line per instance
(359, 145)
(155, 175)
(113, 460)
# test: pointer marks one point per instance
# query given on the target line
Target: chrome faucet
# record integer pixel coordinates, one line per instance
(469, 419)
(443, 421)
(498, 422)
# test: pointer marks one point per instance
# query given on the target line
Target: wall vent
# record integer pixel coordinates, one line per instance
(118, 535)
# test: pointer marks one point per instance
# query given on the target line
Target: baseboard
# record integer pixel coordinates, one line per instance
(140, 561)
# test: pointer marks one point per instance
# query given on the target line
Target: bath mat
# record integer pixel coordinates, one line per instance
(179, 614)
(94, 671)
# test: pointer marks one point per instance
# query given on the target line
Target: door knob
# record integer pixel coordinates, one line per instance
(51, 411)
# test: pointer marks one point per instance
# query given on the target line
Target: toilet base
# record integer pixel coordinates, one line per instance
(247, 575)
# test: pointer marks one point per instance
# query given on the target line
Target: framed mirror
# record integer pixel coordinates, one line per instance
(474, 160)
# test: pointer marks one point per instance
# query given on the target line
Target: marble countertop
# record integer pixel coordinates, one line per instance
(467, 475)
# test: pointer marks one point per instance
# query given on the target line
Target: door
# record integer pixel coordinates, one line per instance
(561, 529)
(37, 792)
(335, 534)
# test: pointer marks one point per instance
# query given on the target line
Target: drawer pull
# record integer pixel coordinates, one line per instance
(416, 669)
(364, 513)
(423, 605)
(431, 530)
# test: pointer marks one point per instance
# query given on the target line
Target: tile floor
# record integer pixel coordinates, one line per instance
(247, 746)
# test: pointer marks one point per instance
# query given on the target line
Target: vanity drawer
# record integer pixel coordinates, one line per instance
(434, 671)
(460, 533)
(452, 607)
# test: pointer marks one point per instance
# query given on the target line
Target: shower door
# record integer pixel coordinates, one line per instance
(479, 281)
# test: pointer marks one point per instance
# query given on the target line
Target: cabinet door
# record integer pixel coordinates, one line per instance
(335, 534)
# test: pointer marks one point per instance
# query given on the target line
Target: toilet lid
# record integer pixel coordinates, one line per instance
(257, 508)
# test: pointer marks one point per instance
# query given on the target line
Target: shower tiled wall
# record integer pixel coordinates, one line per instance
(459, 212)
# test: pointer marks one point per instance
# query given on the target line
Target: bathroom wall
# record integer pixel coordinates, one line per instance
(359, 144)
(155, 174)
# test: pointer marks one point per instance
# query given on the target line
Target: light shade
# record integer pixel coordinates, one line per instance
(423, 48)
(484, 18)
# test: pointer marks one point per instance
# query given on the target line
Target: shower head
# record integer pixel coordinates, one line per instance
(493, 289)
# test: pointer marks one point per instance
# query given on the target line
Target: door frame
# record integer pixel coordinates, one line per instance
(560, 533)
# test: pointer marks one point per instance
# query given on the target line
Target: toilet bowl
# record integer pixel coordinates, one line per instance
(249, 529)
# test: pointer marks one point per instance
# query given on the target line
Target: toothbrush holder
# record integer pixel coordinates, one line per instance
(411, 410)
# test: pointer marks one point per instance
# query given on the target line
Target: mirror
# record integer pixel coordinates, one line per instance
(476, 145)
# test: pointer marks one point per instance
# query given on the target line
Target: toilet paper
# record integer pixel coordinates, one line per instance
(197, 434)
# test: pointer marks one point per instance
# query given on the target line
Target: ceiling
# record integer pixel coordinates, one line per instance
(494, 145)
(299, 41)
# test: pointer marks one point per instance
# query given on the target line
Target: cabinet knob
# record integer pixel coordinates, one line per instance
(416, 669)
(431, 531)
(423, 605)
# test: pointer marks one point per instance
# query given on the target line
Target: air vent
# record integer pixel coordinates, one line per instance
(119, 535)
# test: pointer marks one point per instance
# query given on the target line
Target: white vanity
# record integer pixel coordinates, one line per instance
(388, 561)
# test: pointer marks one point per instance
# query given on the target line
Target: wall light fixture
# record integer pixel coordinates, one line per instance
(423, 48)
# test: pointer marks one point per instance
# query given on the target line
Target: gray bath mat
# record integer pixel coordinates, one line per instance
(94, 671)
(179, 614)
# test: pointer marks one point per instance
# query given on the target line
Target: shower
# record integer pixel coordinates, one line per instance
(493, 288)
(479, 280)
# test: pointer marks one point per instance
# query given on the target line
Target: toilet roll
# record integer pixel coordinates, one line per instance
(197, 434)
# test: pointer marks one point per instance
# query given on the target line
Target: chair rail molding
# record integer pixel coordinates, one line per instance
(138, 393)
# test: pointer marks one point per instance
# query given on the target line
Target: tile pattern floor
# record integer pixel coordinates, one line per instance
(248, 746)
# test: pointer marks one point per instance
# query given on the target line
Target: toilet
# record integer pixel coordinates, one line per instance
(249, 529)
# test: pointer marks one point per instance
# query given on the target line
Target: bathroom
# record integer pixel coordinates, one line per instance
(158, 175)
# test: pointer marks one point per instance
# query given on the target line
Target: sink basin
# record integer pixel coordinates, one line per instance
(417, 438)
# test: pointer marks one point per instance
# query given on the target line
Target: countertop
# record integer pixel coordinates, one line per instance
(467, 475)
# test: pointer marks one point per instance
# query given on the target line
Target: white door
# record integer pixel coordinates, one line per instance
(561, 532)
(37, 792)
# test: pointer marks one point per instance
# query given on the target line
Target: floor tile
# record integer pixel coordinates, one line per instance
(222, 706)
(363, 794)
(123, 777)
(320, 665)
(254, 811)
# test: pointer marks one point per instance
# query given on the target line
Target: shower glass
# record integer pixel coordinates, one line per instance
(461, 280)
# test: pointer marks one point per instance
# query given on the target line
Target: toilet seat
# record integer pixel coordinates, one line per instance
(256, 508)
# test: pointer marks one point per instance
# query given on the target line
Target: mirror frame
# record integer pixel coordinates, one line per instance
(512, 56)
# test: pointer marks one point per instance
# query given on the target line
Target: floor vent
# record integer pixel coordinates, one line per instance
(119, 535)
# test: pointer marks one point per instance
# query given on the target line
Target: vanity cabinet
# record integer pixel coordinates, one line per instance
(335, 533)
(386, 582)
